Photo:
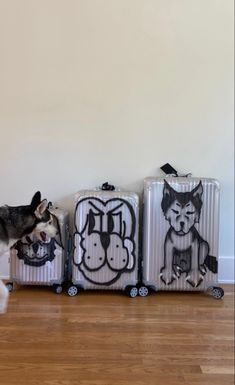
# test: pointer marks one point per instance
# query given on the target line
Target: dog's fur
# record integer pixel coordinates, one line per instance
(17, 222)
(185, 251)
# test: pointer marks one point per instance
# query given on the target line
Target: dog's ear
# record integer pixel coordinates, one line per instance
(197, 191)
(41, 208)
(35, 200)
(168, 196)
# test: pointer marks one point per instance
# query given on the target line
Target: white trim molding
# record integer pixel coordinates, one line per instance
(226, 269)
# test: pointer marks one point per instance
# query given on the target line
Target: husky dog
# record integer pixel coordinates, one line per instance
(185, 251)
(17, 222)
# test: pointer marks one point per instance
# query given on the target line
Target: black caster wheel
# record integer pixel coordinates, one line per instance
(217, 292)
(9, 286)
(57, 289)
(72, 291)
(143, 291)
(132, 291)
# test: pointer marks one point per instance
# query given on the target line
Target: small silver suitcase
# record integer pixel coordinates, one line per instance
(180, 234)
(41, 263)
(105, 241)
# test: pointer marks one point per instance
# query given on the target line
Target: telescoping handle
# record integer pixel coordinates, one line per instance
(169, 170)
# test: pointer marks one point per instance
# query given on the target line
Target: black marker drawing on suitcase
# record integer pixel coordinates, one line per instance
(104, 241)
(185, 251)
(35, 253)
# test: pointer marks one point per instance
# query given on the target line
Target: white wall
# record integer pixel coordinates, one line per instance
(96, 90)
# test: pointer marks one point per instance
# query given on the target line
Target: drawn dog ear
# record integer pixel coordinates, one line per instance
(197, 191)
(78, 249)
(35, 200)
(41, 208)
(168, 196)
(168, 190)
(130, 247)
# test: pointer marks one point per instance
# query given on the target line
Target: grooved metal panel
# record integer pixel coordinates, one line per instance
(51, 271)
(105, 240)
(180, 233)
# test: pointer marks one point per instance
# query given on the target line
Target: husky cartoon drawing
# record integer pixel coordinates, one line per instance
(185, 251)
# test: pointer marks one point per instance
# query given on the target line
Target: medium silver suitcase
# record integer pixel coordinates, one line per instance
(105, 241)
(180, 234)
(41, 263)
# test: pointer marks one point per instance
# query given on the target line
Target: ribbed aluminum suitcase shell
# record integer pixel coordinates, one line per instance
(105, 240)
(46, 266)
(4, 294)
(180, 233)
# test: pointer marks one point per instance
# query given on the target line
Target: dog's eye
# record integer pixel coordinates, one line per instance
(50, 222)
(190, 212)
(175, 211)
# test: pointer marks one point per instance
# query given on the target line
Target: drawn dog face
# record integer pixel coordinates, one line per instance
(182, 210)
(105, 240)
(34, 252)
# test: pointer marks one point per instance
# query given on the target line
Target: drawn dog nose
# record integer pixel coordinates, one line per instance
(182, 225)
(105, 240)
(35, 247)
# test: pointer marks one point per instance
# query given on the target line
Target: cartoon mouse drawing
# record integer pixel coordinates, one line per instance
(104, 240)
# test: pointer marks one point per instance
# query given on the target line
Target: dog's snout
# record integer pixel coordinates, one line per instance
(105, 240)
(182, 225)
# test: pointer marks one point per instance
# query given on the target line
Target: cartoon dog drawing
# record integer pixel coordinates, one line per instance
(34, 252)
(185, 251)
(104, 240)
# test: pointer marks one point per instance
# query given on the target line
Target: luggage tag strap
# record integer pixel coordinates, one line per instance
(170, 171)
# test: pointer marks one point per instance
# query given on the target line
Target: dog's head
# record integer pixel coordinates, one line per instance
(46, 223)
(182, 209)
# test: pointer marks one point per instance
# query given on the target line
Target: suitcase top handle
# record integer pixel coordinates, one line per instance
(107, 187)
(169, 170)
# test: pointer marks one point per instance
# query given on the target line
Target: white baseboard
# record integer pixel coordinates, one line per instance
(226, 269)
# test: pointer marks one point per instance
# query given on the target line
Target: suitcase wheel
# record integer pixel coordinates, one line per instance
(9, 286)
(217, 292)
(72, 291)
(131, 291)
(143, 291)
(57, 289)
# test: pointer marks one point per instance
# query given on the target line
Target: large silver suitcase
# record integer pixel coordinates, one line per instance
(41, 263)
(180, 234)
(105, 241)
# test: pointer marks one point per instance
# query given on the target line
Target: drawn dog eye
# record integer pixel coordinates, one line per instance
(190, 212)
(175, 211)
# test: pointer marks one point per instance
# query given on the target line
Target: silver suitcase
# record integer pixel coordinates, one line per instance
(180, 234)
(105, 241)
(41, 263)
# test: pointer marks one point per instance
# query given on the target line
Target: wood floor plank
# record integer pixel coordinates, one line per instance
(104, 338)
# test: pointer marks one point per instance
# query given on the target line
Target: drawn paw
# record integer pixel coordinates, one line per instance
(195, 279)
(167, 277)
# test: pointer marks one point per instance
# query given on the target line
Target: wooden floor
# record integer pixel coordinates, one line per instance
(109, 339)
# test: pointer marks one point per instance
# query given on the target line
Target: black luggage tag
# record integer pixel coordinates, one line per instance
(169, 170)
